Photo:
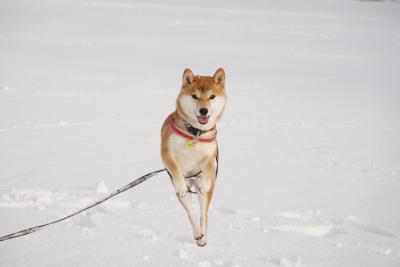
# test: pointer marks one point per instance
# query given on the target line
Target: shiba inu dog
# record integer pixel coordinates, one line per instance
(188, 143)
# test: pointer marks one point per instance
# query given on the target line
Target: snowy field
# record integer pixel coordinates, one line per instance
(309, 142)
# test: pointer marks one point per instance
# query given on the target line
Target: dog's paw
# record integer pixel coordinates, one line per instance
(181, 189)
(202, 241)
(198, 235)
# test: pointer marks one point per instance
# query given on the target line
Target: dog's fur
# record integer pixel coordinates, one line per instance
(197, 92)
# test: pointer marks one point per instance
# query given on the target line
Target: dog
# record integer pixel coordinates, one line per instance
(188, 144)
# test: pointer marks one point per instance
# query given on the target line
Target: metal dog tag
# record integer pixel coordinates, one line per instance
(190, 144)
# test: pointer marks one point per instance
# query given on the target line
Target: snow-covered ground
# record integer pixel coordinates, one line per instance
(310, 139)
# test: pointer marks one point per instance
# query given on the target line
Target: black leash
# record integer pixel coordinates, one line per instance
(119, 191)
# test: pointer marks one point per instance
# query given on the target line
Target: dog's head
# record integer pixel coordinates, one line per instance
(202, 98)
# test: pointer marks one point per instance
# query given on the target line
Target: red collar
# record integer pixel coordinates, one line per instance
(188, 136)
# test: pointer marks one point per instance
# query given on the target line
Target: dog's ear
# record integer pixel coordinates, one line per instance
(219, 77)
(187, 77)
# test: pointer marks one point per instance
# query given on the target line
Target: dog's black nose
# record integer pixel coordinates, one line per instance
(203, 111)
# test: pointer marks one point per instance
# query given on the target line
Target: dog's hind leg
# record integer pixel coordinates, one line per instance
(186, 202)
(204, 200)
(205, 189)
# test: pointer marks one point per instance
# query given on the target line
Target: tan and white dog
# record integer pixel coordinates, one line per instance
(188, 143)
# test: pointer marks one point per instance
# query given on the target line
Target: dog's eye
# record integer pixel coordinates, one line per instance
(195, 97)
(212, 97)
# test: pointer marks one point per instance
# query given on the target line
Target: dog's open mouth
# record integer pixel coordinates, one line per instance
(202, 119)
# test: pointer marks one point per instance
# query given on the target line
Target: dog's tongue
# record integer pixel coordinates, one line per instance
(202, 119)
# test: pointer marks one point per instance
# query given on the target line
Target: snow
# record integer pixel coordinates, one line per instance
(102, 188)
(309, 141)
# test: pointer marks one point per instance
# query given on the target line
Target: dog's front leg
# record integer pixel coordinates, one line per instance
(177, 178)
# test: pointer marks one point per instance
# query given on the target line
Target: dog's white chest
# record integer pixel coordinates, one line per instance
(191, 159)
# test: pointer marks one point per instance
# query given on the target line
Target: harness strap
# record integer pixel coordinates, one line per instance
(217, 161)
